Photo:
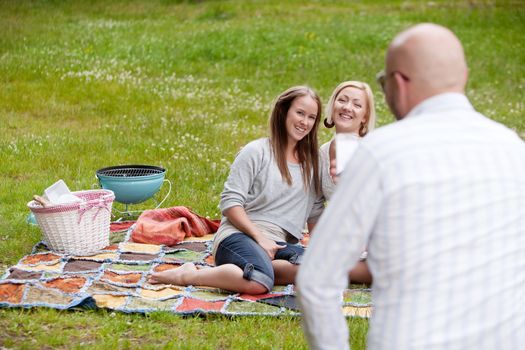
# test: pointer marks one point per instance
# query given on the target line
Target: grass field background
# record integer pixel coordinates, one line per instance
(183, 85)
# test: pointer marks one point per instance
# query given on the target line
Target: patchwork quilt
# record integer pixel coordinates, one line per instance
(116, 279)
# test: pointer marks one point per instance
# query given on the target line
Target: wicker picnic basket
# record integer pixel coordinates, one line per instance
(76, 228)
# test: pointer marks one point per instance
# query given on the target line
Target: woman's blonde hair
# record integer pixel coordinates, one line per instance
(306, 148)
(370, 115)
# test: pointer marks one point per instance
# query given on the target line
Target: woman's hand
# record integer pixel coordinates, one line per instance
(333, 171)
(269, 246)
(237, 216)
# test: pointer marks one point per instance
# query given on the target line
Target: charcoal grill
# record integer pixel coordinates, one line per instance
(133, 184)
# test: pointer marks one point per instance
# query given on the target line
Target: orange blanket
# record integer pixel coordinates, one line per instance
(170, 226)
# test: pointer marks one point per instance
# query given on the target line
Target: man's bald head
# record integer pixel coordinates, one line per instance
(431, 57)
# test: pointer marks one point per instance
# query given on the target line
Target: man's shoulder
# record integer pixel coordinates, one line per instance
(438, 128)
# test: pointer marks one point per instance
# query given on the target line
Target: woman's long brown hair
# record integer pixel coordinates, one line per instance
(307, 148)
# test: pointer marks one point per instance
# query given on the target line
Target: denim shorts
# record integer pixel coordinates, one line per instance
(241, 250)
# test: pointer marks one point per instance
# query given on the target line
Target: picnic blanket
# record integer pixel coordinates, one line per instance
(116, 279)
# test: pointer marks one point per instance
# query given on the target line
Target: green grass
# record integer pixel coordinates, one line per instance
(44, 328)
(184, 84)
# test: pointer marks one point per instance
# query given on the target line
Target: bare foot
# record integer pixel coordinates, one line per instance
(179, 276)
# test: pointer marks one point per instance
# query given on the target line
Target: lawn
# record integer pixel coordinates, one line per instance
(183, 85)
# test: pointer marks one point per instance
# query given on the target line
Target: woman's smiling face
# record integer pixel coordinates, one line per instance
(350, 109)
(301, 118)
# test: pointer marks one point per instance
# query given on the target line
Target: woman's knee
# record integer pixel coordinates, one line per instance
(360, 274)
(253, 287)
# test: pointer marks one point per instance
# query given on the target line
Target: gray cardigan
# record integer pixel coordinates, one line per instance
(256, 184)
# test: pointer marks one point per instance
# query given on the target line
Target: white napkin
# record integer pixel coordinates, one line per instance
(59, 193)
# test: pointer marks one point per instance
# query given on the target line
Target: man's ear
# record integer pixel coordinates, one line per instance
(402, 93)
(466, 77)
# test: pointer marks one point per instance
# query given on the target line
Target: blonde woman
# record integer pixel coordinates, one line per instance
(350, 110)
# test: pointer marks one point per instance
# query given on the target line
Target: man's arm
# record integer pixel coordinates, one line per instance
(346, 225)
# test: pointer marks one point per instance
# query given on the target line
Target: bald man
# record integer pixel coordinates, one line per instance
(439, 200)
(422, 62)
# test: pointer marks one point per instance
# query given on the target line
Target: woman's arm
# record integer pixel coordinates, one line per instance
(315, 212)
(238, 217)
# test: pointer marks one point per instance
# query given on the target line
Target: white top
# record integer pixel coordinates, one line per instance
(440, 202)
(255, 183)
(346, 144)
